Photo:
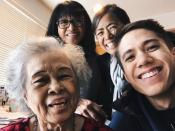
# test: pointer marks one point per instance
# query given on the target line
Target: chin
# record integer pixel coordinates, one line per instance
(112, 52)
(76, 42)
(154, 93)
(59, 118)
(71, 42)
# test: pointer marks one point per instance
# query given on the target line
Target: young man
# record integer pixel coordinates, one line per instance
(147, 56)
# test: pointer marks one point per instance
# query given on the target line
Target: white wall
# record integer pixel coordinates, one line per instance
(34, 9)
(167, 20)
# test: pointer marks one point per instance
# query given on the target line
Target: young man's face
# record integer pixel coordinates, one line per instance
(149, 65)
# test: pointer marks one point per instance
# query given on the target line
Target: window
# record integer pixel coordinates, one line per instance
(15, 26)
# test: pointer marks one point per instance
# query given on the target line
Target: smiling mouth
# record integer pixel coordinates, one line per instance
(151, 73)
(72, 34)
(58, 104)
(110, 45)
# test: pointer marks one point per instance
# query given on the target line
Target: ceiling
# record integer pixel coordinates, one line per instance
(161, 10)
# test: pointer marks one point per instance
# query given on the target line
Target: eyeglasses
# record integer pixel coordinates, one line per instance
(65, 23)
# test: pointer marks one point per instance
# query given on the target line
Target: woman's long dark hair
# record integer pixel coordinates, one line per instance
(75, 9)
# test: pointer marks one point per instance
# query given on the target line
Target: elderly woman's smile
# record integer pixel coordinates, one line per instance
(59, 104)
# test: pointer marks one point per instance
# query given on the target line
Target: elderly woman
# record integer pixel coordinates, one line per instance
(47, 76)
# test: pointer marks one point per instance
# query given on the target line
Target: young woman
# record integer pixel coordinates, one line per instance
(105, 26)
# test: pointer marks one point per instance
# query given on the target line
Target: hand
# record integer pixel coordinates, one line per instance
(90, 110)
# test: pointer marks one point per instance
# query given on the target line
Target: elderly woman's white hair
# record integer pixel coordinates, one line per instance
(16, 72)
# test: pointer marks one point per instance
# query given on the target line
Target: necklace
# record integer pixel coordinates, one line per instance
(36, 123)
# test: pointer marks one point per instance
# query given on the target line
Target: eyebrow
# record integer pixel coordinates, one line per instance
(149, 40)
(107, 26)
(37, 73)
(114, 23)
(64, 69)
(57, 69)
(99, 29)
(127, 52)
(144, 44)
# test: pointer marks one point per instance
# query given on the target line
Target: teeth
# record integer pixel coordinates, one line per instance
(110, 45)
(62, 105)
(150, 74)
(58, 103)
(72, 34)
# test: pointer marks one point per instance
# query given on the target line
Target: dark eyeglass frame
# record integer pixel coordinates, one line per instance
(75, 22)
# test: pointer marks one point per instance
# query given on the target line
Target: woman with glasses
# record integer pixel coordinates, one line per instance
(71, 23)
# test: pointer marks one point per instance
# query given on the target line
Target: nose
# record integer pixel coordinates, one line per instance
(144, 59)
(71, 26)
(108, 35)
(55, 88)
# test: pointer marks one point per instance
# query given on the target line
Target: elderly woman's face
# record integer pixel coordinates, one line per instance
(51, 87)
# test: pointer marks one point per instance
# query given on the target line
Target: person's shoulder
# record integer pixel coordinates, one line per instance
(128, 102)
(17, 125)
(104, 56)
(96, 57)
(104, 59)
(91, 125)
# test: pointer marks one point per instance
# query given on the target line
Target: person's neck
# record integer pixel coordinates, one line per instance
(163, 101)
(74, 124)
(42, 126)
